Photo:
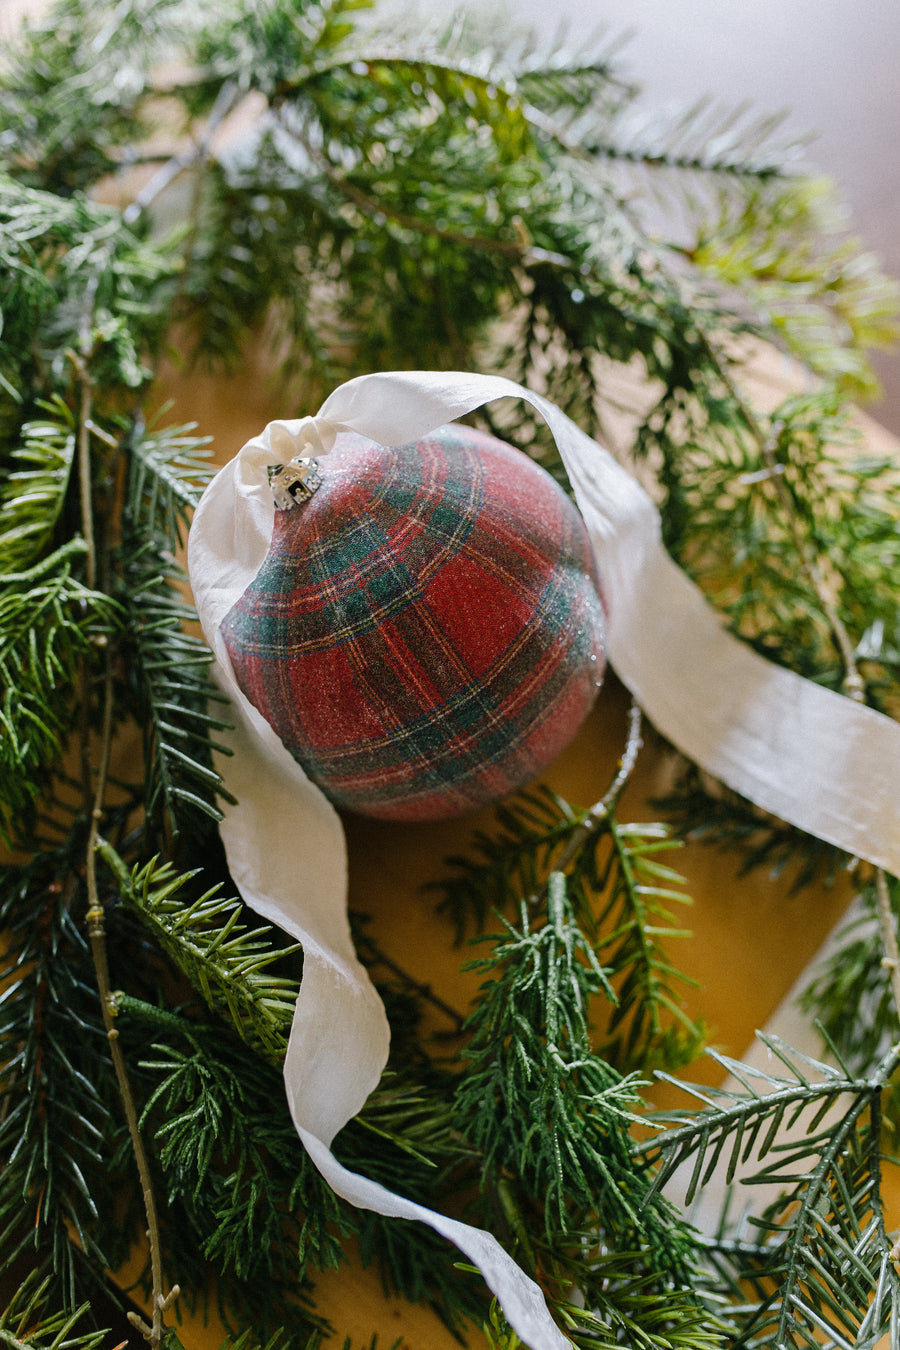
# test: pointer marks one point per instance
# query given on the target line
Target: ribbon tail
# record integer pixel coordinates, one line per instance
(519, 1296)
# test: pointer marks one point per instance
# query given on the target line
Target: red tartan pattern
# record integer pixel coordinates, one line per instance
(425, 634)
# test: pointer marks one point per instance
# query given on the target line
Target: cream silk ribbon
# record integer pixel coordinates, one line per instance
(815, 759)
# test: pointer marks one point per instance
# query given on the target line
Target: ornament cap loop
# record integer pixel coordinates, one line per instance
(294, 483)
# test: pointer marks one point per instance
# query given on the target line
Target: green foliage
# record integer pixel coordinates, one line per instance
(237, 1182)
(614, 882)
(398, 196)
(534, 1098)
(168, 469)
(225, 962)
(842, 507)
(626, 1303)
(821, 1259)
(49, 622)
(27, 1323)
(59, 1141)
(241, 1190)
(33, 496)
(528, 1042)
(172, 690)
(793, 261)
(648, 1024)
(66, 143)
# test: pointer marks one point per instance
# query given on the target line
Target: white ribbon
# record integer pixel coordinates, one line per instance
(815, 759)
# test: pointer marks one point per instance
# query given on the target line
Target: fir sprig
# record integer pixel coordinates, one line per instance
(850, 994)
(822, 1260)
(169, 469)
(622, 893)
(648, 1024)
(174, 694)
(206, 939)
(60, 1140)
(27, 1322)
(781, 271)
(49, 622)
(534, 1098)
(33, 495)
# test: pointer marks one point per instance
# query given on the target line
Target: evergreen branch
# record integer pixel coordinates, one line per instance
(240, 1184)
(168, 471)
(705, 140)
(170, 677)
(240, 1189)
(732, 1121)
(529, 1044)
(69, 101)
(26, 1323)
(520, 249)
(32, 497)
(226, 963)
(513, 862)
(852, 683)
(833, 1268)
(824, 1260)
(794, 263)
(851, 995)
(622, 1302)
(621, 892)
(49, 622)
(812, 619)
(647, 1023)
(60, 1144)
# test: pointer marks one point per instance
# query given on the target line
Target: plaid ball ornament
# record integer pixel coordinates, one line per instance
(425, 634)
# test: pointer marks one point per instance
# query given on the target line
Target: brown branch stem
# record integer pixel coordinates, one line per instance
(603, 808)
(97, 936)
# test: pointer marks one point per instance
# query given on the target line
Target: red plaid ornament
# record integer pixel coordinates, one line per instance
(425, 634)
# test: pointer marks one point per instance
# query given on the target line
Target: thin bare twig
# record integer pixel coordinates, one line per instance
(97, 936)
(183, 159)
(891, 959)
(607, 803)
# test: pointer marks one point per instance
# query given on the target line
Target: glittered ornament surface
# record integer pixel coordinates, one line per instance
(425, 634)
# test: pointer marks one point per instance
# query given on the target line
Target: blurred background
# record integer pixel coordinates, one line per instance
(831, 65)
